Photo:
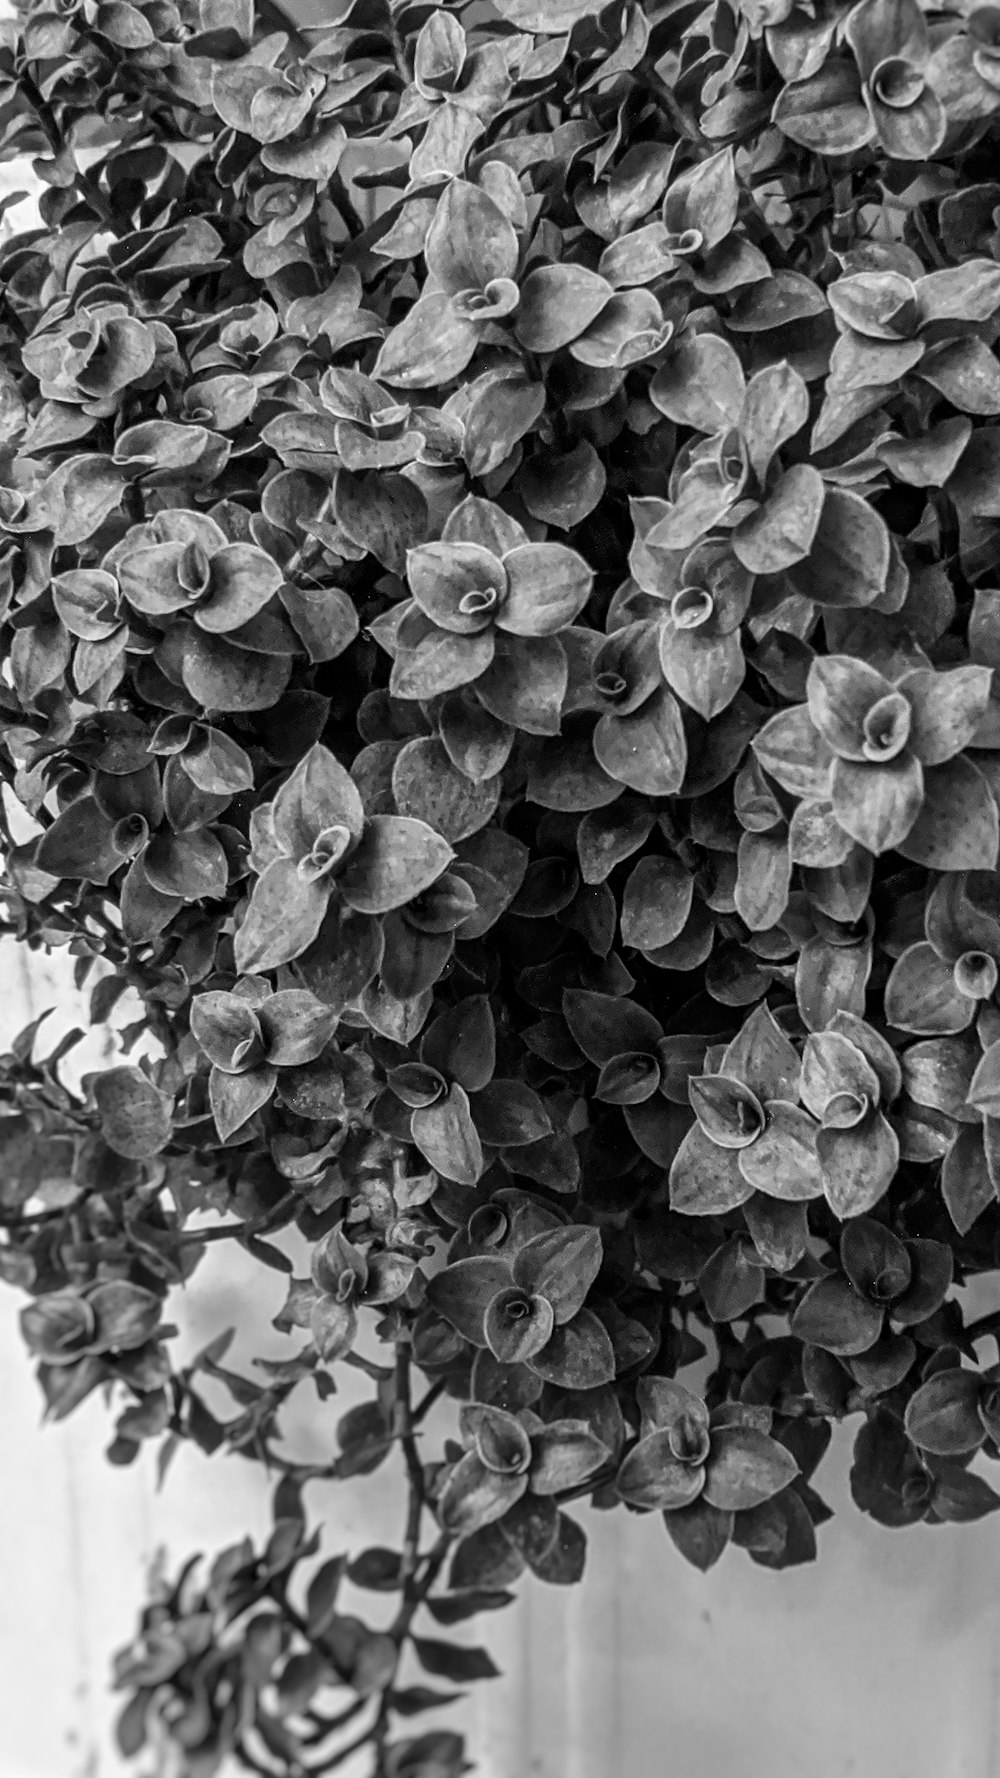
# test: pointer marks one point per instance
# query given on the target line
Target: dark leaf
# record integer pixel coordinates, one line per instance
(446, 1660)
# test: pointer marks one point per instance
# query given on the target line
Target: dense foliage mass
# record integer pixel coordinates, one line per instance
(500, 510)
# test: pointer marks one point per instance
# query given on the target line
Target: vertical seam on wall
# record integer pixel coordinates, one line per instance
(83, 1689)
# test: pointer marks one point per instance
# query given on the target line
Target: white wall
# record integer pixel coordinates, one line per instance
(880, 1662)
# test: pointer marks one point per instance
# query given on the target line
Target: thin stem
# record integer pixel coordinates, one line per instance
(289, 1611)
(309, 544)
(222, 1232)
(303, 1770)
(403, 1429)
(395, 37)
(427, 1401)
(421, 1586)
(14, 1219)
(226, 1231)
(417, 1580)
(683, 120)
(843, 209)
(324, 1726)
(341, 1756)
(87, 186)
(419, 1575)
(585, 1488)
(683, 847)
(135, 503)
(249, 1760)
(415, 1591)
(377, 1372)
(983, 1326)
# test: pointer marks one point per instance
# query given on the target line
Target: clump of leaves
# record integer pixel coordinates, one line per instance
(499, 507)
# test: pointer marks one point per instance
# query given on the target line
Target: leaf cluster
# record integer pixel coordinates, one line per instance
(499, 508)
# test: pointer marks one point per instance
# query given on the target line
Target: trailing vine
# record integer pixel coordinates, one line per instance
(499, 518)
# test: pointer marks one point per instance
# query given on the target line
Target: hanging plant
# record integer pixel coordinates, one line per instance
(499, 508)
